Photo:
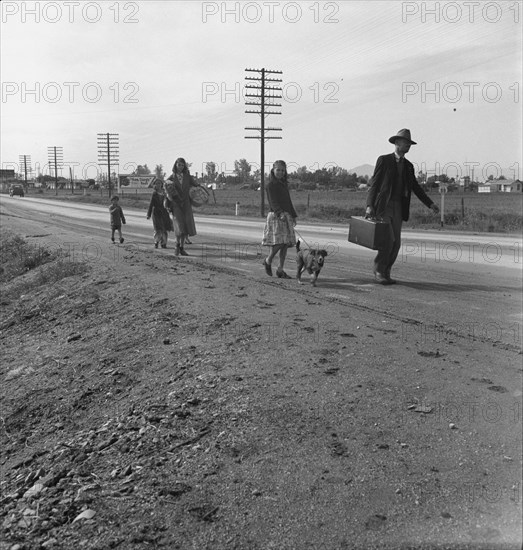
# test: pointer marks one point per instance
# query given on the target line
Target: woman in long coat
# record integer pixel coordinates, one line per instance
(178, 202)
(162, 222)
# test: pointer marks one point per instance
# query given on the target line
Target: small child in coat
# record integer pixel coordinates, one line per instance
(117, 218)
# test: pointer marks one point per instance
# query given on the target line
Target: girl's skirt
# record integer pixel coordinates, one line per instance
(278, 230)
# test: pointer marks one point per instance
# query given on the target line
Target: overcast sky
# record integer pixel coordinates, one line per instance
(168, 77)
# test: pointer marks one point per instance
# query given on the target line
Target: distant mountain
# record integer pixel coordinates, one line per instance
(363, 170)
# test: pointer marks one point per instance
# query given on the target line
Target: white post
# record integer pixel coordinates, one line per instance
(237, 208)
(442, 191)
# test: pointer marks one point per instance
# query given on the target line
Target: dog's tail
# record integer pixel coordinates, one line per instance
(298, 245)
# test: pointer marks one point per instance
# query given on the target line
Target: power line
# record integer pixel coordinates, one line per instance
(264, 101)
(56, 157)
(25, 162)
(108, 153)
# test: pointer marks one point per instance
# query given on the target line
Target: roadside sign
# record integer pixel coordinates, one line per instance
(128, 183)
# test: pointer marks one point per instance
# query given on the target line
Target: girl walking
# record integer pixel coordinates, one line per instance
(279, 227)
(162, 222)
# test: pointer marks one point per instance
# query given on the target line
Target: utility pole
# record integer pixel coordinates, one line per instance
(56, 157)
(264, 97)
(25, 162)
(108, 152)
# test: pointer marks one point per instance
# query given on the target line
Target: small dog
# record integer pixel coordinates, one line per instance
(310, 260)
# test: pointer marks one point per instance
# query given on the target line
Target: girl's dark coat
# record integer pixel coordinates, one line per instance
(161, 219)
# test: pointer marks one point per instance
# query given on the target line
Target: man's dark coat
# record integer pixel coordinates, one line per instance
(382, 181)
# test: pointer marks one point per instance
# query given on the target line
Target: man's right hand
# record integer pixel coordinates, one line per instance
(369, 212)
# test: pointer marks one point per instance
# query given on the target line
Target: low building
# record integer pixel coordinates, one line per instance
(500, 186)
(512, 186)
(7, 177)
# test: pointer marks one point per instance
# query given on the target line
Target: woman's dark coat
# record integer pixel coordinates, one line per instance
(179, 203)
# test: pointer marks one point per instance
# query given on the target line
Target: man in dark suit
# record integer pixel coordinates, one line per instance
(388, 198)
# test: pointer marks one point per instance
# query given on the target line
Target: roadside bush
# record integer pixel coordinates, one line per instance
(19, 257)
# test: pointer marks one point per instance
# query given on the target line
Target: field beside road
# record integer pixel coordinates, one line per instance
(482, 212)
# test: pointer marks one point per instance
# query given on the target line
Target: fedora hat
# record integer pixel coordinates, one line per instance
(403, 133)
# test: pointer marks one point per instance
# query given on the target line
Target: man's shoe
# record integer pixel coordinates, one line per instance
(382, 279)
(391, 281)
(121, 240)
(183, 253)
(177, 250)
(282, 275)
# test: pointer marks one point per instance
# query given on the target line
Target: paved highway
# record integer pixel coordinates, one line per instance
(468, 285)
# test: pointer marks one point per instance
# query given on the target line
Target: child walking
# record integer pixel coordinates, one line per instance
(117, 218)
(279, 233)
(162, 222)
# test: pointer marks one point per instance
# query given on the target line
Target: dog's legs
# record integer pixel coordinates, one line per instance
(299, 269)
(314, 278)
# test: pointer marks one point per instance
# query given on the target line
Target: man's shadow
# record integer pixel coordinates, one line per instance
(362, 284)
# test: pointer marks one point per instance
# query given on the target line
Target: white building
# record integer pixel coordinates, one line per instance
(501, 186)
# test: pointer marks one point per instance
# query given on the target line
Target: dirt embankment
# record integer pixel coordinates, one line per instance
(157, 402)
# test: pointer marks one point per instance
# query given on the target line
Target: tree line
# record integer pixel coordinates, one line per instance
(302, 178)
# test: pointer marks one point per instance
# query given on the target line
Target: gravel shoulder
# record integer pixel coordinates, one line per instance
(162, 402)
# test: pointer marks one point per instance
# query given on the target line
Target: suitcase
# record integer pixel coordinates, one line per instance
(372, 234)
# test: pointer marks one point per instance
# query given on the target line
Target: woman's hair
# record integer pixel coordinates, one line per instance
(272, 177)
(185, 168)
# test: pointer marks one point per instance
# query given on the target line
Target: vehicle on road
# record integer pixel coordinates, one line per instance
(16, 189)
